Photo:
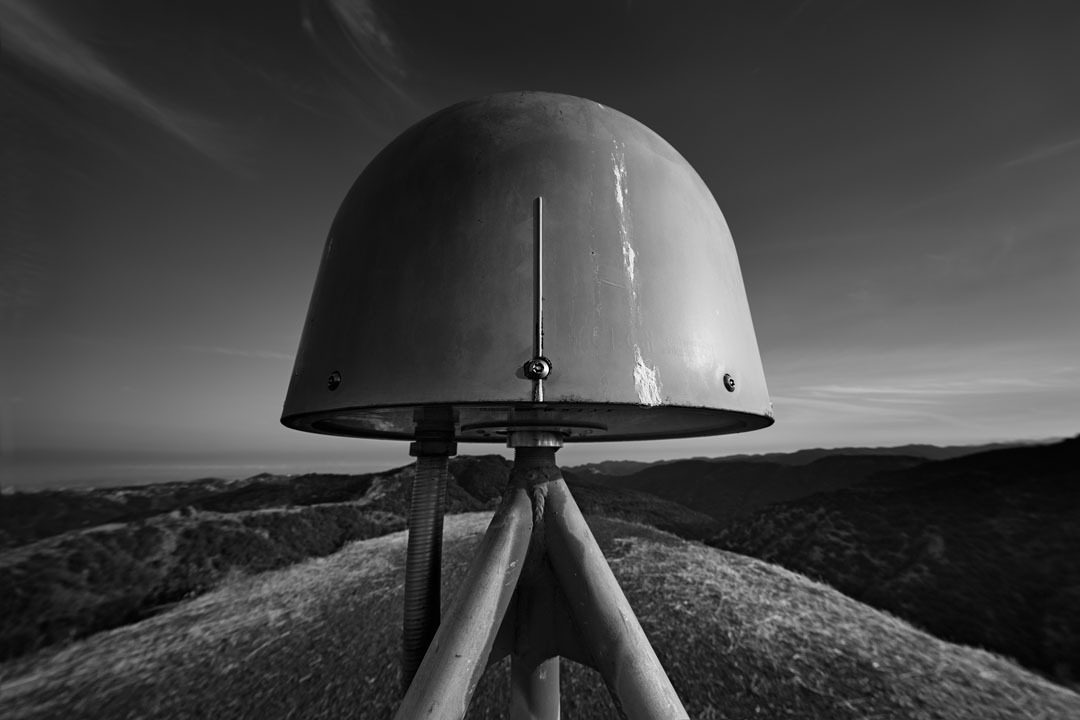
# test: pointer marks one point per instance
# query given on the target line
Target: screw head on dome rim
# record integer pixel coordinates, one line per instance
(432, 274)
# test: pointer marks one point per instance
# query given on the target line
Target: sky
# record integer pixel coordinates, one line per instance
(902, 180)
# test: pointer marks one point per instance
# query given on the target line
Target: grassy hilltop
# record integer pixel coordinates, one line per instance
(739, 638)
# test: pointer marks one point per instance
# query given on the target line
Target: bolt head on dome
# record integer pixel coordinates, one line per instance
(424, 302)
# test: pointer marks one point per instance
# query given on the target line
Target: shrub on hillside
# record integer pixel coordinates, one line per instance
(642, 507)
(82, 582)
(26, 517)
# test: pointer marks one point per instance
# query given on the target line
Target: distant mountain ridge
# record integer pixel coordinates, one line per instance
(928, 452)
(476, 483)
(732, 489)
(751, 481)
(802, 457)
(981, 549)
(734, 486)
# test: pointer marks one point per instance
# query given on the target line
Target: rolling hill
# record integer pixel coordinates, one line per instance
(982, 549)
(798, 457)
(732, 489)
(137, 549)
(740, 638)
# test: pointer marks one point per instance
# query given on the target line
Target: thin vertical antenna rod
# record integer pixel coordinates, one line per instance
(538, 290)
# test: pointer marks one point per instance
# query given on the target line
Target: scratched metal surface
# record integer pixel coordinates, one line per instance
(425, 291)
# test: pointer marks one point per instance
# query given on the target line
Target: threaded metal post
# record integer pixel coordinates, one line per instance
(526, 458)
(423, 565)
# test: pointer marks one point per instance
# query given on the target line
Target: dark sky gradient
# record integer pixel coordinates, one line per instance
(902, 181)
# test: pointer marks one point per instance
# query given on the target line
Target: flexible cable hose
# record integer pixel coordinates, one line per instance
(423, 565)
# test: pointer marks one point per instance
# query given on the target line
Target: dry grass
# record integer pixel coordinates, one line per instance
(740, 638)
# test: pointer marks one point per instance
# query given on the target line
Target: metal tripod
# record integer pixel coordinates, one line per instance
(539, 588)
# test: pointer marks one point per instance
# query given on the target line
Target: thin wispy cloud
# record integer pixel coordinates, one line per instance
(974, 386)
(972, 184)
(365, 29)
(35, 38)
(22, 277)
(238, 352)
(808, 415)
(23, 259)
(853, 406)
(798, 11)
(1045, 153)
(979, 257)
(957, 388)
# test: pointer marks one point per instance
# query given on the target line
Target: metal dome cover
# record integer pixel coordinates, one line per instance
(424, 300)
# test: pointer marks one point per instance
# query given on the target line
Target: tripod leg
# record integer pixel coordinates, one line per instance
(458, 653)
(611, 632)
(534, 689)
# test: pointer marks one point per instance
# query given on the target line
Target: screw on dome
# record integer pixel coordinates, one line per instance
(538, 368)
(729, 382)
(334, 380)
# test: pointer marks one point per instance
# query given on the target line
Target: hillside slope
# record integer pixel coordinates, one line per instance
(739, 638)
(476, 483)
(982, 549)
(78, 582)
(729, 490)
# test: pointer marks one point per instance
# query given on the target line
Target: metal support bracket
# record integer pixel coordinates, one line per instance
(539, 367)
